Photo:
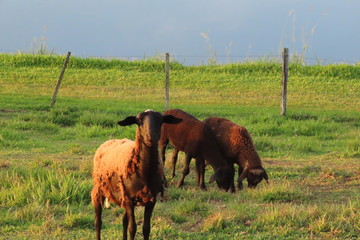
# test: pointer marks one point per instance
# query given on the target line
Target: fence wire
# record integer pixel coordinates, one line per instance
(218, 59)
(186, 87)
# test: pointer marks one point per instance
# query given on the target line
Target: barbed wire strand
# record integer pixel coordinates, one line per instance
(214, 57)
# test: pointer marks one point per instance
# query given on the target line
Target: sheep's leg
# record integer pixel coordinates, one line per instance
(232, 187)
(97, 201)
(125, 225)
(147, 219)
(200, 172)
(163, 143)
(240, 185)
(174, 159)
(186, 170)
(197, 177)
(129, 222)
(98, 222)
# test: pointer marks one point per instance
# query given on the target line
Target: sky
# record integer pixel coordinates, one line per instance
(189, 30)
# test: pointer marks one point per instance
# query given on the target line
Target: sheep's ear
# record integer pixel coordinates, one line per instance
(216, 175)
(128, 121)
(243, 174)
(171, 119)
(265, 176)
(212, 178)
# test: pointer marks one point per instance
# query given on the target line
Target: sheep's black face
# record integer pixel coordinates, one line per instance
(149, 125)
(224, 184)
(254, 180)
(224, 178)
(255, 176)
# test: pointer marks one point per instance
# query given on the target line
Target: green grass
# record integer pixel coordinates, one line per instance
(311, 155)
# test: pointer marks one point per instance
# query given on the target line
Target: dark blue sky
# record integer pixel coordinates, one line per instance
(327, 29)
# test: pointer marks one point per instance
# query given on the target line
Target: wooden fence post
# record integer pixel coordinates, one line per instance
(167, 78)
(285, 67)
(53, 100)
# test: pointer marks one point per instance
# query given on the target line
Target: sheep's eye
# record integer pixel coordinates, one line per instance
(139, 122)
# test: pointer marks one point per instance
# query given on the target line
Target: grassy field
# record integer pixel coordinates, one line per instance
(311, 155)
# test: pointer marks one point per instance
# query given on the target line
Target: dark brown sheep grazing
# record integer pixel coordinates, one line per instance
(236, 145)
(130, 173)
(197, 141)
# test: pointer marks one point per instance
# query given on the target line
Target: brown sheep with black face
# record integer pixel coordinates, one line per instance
(130, 173)
(198, 141)
(237, 146)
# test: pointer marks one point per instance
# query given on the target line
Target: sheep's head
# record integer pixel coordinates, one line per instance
(149, 125)
(224, 177)
(254, 176)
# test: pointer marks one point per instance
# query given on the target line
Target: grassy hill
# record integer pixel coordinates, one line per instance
(311, 155)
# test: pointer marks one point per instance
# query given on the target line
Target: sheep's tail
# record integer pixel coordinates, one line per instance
(107, 203)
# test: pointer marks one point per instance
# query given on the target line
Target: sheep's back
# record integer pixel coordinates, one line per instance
(226, 133)
(234, 141)
(185, 135)
(113, 156)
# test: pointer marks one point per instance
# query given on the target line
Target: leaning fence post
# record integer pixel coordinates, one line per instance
(53, 100)
(285, 67)
(167, 77)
